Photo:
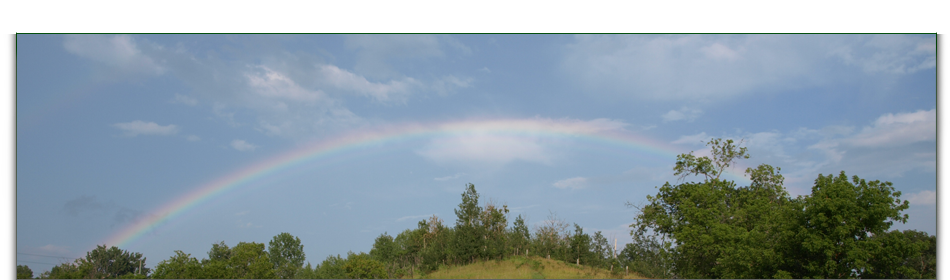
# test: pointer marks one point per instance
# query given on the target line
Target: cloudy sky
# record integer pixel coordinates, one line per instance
(387, 129)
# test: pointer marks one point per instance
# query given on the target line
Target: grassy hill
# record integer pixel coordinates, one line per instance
(519, 267)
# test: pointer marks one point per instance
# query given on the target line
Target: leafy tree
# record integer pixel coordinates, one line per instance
(72, 270)
(362, 266)
(648, 255)
(550, 236)
(286, 252)
(219, 251)
(494, 222)
(518, 236)
(837, 222)
(469, 236)
(331, 268)
(179, 266)
(113, 263)
(579, 250)
(600, 250)
(907, 254)
(250, 260)
(23, 272)
(384, 251)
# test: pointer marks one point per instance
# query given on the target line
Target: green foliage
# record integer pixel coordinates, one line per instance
(286, 252)
(331, 268)
(837, 221)
(179, 266)
(250, 260)
(112, 262)
(714, 229)
(362, 266)
(469, 237)
(66, 271)
(23, 272)
(518, 236)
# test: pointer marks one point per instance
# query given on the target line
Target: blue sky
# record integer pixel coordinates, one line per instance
(110, 128)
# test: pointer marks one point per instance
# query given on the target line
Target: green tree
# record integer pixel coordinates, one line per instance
(286, 252)
(907, 254)
(837, 222)
(73, 270)
(250, 260)
(113, 263)
(362, 266)
(384, 251)
(179, 266)
(579, 250)
(518, 236)
(24, 272)
(494, 222)
(217, 265)
(331, 268)
(469, 236)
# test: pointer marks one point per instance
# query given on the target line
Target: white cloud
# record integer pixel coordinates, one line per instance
(924, 197)
(270, 83)
(184, 99)
(499, 142)
(450, 83)
(571, 183)
(119, 52)
(345, 80)
(899, 129)
(145, 128)
(712, 67)
(685, 113)
(193, 138)
(890, 53)
(456, 176)
(242, 145)
(485, 69)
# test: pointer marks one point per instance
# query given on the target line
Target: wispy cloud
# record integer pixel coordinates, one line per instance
(119, 52)
(924, 197)
(685, 113)
(136, 128)
(242, 145)
(571, 183)
(456, 176)
(485, 145)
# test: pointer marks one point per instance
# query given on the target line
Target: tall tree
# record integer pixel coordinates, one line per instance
(24, 272)
(518, 236)
(250, 260)
(469, 236)
(179, 266)
(113, 263)
(837, 222)
(286, 252)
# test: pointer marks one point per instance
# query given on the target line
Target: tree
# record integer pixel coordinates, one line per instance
(331, 268)
(179, 266)
(362, 266)
(384, 251)
(250, 260)
(24, 272)
(838, 220)
(494, 222)
(217, 265)
(286, 252)
(518, 236)
(579, 250)
(113, 263)
(469, 236)
(72, 270)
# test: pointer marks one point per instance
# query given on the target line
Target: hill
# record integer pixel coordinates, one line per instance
(520, 267)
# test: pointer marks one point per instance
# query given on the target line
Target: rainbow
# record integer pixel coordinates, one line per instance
(600, 132)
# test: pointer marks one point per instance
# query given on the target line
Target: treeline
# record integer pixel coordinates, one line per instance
(481, 232)
(706, 229)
